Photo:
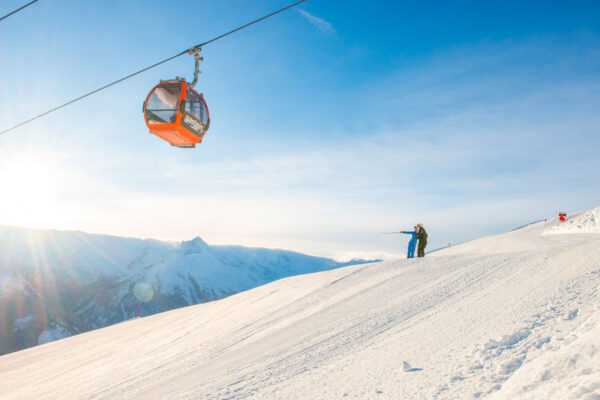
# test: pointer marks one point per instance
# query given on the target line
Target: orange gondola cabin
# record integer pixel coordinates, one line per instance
(175, 112)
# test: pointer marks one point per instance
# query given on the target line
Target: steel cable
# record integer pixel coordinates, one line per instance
(147, 68)
(18, 9)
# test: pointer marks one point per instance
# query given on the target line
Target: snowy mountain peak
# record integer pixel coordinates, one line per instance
(55, 284)
(196, 245)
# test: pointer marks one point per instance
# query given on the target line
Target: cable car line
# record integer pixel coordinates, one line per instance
(18, 9)
(190, 50)
(247, 25)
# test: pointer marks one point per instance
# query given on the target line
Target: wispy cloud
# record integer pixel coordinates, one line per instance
(321, 24)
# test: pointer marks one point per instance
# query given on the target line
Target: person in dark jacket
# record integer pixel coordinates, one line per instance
(422, 237)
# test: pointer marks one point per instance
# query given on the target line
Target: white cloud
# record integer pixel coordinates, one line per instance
(321, 24)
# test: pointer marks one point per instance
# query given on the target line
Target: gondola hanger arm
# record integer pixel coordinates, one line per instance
(196, 53)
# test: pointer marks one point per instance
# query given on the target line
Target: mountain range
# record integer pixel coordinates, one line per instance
(54, 284)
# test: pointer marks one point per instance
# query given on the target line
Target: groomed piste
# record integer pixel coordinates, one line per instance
(513, 316)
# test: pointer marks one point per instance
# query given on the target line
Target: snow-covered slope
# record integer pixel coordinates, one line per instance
(514, 316)
(580, 222)
(55, 284)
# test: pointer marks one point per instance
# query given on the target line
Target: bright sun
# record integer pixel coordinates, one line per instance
(29, 187)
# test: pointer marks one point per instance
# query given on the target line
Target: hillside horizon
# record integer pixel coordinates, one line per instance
(54, 284)
(499, 317)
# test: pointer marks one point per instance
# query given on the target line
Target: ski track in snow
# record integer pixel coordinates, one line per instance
(504, 317)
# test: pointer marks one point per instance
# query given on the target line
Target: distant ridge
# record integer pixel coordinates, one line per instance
(54, 284)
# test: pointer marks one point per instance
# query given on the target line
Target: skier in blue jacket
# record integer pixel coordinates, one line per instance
(412, 243)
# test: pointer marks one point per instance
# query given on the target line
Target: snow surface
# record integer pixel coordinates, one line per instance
(581, 222)
(511, 316)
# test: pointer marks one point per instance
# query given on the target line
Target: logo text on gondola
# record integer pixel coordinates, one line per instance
(194, 124)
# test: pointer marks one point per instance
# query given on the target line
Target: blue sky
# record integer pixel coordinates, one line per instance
(329, 123)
